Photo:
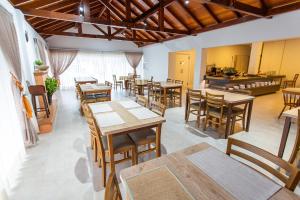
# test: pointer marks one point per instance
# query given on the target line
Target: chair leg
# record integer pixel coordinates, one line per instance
(232, 125)
(134, 157)
(34, 104)
(103, 172)
(281, 112)
(95, 150)
(188, 115)
(205, 124)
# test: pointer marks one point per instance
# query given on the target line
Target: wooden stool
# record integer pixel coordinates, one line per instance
(39, 91)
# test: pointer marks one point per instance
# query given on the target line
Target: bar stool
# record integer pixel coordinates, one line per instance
(39, 91)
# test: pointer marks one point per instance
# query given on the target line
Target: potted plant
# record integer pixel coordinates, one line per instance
(51, 85)
(229, 71)
(38, 64)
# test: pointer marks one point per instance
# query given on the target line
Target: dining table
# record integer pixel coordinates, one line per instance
(199, 172)
(165, 86)
(141, 84)
(289, 115)
(85, 80)
(230, 99)
(122, 117)
(95, 89)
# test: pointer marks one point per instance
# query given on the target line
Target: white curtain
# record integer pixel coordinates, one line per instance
(98, 65)
(12, 150)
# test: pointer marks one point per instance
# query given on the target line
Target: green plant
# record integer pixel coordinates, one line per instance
(51, 85)
(229, 70)
(38, 62)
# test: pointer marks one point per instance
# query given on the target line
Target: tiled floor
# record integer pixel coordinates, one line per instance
(60, 168)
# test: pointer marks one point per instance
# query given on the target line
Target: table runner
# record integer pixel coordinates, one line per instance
(100, 107)
(159, 183)
(239, 180)
(108, 119)
(143, 113)
(129, 104)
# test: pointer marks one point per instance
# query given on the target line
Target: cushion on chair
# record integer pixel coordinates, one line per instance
(121, 143)
(143, 137)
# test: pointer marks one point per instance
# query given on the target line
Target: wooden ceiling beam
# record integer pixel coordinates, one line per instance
(100, 29)
(112, 9)
(211, 13)
(161, 16)
(95, 36)
(41, 4)
(153, 10)
(128, 10)
(194, 17)
(238, 6)
(284, 8)
(79, 19)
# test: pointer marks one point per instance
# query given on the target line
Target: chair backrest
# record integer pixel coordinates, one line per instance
(194, 95)
(107, 83)
(158, 108)
(141, 100)
(291, 99)
(115, 78)
(37, 89)
(94, 129)
(112, 190)
(179, 82)
(156, 88)
(169, 80)
(296, 77)
(292, 174)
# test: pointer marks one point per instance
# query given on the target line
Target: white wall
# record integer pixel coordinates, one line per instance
(95, 44)
(279, 27)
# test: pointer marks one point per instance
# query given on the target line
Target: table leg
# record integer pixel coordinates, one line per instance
(186, 107)
(158, 140)
(285, 134)
(165, 96)
(229, 113)
(180, 96)
(249, 113)
(295, 148)
(111, 152)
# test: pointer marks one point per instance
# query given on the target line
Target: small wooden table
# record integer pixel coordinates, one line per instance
(131, 124)
(170, 85)
(289, 116)
(96, 89)
(84, 80)
(195, 181)
(231, 100)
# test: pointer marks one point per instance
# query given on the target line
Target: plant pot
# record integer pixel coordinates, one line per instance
(49, 98)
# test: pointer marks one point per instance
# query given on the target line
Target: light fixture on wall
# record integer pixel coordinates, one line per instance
(186, 2)
(26, 36)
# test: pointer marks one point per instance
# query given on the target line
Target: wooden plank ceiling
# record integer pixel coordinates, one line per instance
(145, 21)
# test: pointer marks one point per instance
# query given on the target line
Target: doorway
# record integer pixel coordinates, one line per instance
(181, 67)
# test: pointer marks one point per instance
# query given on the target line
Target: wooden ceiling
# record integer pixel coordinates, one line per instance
(145, 21)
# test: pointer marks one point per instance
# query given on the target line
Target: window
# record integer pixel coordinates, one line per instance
(98, 65)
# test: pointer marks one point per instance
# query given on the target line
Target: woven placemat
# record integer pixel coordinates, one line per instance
(159, 183)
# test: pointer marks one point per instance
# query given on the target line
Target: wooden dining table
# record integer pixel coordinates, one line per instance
(84, 80)
(184, 175)
(122, 117)
(289, 116)
(141, 84)
(165, 86)
(87, 89)
(231, 100)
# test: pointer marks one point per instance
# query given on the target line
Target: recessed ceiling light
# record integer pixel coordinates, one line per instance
(186, 2)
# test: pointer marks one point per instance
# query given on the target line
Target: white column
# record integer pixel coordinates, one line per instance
(255, 55)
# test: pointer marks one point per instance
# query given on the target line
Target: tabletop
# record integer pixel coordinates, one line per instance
(94, 87)
(292, 90)
(141, 82)
(229, 97)
(193, 181)
(292, 113)
(170, 85)
(122, 116)
(85, 79)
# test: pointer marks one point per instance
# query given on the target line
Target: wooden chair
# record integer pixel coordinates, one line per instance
(195, 105)
(175, 94)
(147, 137)
(122, 144)
(169, 80)
(296, 147)
(238, 114)
(214, 109)
(112, 190)
(156, 91)
(133, 88)
(39, 91)
(292, 174)
(291, 100)
(291, 83)
(117, 83)
(142, 100)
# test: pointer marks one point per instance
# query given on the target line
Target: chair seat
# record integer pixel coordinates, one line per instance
(143, 137)
(215, 112)
(121, 143)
